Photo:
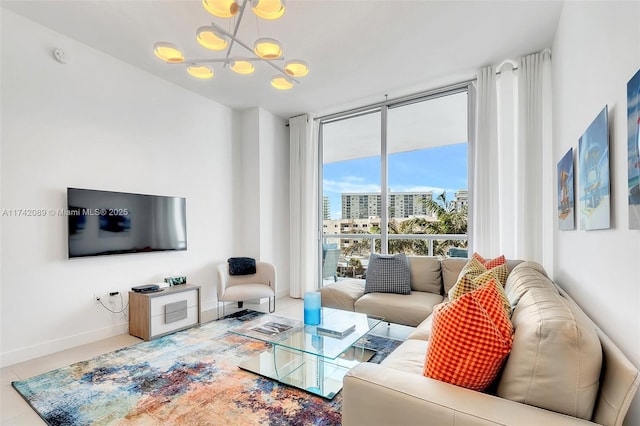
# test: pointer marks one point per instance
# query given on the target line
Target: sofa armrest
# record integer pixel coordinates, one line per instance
(377, 395)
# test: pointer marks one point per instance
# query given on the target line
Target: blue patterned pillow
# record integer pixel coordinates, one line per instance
(388, 273)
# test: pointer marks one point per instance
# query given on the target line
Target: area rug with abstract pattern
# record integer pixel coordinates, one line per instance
(186, 378)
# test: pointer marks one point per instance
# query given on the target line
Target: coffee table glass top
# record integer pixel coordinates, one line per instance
(311, 339)
(304, 356)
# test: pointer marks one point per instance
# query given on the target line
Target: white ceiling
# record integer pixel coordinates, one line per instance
(358, 50)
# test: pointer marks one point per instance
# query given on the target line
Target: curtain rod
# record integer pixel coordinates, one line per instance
(441, 91)
(299, 115)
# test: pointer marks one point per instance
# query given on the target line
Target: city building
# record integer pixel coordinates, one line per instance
(401, 204)
(326, 208)
(461, 199)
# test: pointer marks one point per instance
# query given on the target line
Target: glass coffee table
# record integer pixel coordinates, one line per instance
(314, 358)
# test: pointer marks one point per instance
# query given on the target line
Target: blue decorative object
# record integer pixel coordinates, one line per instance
(312, 308)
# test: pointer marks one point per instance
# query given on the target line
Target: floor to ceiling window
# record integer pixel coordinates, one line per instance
(394, 179)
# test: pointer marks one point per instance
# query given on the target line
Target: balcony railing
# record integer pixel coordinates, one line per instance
(373, 237)
(347, 269)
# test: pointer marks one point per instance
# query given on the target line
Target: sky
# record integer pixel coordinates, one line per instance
(433, 169)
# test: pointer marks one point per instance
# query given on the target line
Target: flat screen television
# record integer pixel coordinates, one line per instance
(106, 222)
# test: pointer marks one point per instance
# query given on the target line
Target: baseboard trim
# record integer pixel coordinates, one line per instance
(53, 346)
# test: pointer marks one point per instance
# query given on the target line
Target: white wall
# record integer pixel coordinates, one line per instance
(97, 123)
(274, 195)
(595, 52)
(264, 202)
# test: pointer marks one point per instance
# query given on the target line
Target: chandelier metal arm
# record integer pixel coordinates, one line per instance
(235, 31)
(237, 40)
(221, 60)
(257, 58)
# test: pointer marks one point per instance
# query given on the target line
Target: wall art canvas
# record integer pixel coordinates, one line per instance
(593, 162)
(566, 210)
(633, 150)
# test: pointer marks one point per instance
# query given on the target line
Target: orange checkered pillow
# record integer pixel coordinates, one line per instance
(489, 264)
(470, 339)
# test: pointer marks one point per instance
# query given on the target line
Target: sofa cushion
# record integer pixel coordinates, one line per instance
(471, 337)
(451, 268)
(426, 274)
(342, 294)
(409, 310)
(525, 276)
(556, 358)
(468, 283)
(409, 356)
(388, 273)
(423, 330)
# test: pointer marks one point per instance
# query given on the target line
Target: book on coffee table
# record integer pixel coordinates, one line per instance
(271, 328)
(336, 330)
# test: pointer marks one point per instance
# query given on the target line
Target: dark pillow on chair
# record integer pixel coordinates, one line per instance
(388, 273)
(242, 266)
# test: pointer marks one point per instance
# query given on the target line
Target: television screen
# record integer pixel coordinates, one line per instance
(105, 222)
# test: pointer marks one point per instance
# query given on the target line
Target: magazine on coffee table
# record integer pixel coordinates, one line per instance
(271, 328)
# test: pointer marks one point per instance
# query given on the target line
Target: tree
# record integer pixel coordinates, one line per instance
(356, 266)
(410, 246)
(357, 246)
(450, 221)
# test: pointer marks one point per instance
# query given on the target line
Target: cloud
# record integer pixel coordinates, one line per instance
(349, 184)
(418, 188)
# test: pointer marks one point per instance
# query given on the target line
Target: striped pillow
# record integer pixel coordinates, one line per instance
(388, 273)
(470, 339)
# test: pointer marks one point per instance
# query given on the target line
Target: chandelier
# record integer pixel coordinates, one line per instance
(214, 37)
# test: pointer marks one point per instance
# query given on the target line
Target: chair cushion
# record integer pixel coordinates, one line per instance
(388, 274)
(246, 292)
(556, 358)
(471, 337)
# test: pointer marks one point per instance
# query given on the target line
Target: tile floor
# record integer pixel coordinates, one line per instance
(15, 411)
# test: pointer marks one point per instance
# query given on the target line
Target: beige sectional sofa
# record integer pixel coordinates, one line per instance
(562, 369)
(431, 280)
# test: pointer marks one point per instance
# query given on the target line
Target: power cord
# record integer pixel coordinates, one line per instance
(121, 304)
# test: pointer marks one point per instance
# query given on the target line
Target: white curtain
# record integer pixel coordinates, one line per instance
(512, 174)
(303, 205)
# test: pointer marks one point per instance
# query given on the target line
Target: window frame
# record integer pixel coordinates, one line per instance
(383, 108)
